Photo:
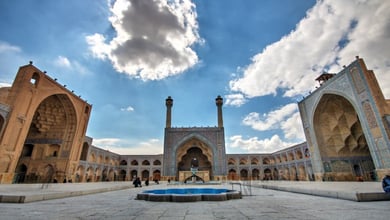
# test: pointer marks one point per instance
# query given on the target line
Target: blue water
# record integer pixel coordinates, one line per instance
(187, 191)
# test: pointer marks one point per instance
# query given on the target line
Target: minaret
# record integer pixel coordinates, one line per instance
(168, 103)
(219, 102)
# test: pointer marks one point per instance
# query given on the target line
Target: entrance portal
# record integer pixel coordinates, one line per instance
(194, 157)
(342, 144)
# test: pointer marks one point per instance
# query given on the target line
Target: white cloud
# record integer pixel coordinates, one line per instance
(287, 119)
(331, 35)
(153, 38)
(270, 120)
(62, 62)
(6, 48)
(253, 145)
(72, 66)
(292, 127)
(11, 56)
(127, 109)
(97, 46)
(106, 141)
(235, 99)
(123, 147)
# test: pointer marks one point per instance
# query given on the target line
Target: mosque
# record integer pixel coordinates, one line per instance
(43, 138)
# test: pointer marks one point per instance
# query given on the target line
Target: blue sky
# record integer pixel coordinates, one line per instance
(127, 57)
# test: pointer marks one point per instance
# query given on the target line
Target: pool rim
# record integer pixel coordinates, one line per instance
(174, 197)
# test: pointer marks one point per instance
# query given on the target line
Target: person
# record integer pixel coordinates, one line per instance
(386, 183)
(147, 182)
(137, 182)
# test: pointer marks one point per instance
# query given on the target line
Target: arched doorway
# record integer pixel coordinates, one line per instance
(89, 175)
(275, 174)
(302, 173)
(50, 138)
(341, 140)
(122, 175)
(104, 175)
(79, 177)
(244, 174)
(134, 174)
(98, 174)
(267, 174)
(111, 175)
(194, 154)
(84, 151)
(48, 174)
(145, 175)
(20, 173)
(156, 175)
(232, 175)
(255, 174)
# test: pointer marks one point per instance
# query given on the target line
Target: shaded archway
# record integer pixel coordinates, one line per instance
(104, 175)
(89, 175)
(267, 174)
(48, 174)
(111, 175)
(156, 175)
(275, 174)
(84, 151)
(340, 137)
(134, 174)
(255, 174)
(285, 173)
(122, 175)
(98, 175)
(20, 173)
(171, 166)
(232, 175)
(79, 176)
(184, 163)
(145, 175)
(50, 138)
(302, 173)
(244, 174)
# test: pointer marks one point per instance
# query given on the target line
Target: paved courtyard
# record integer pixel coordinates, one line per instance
(262, 204)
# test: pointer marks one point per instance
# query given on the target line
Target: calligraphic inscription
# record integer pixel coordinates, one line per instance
(369, 115)
(357, 80)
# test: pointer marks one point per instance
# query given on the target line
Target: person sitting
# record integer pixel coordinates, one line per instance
(386, 183)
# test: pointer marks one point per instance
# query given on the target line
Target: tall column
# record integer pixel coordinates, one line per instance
(219, 103)
(168, 103)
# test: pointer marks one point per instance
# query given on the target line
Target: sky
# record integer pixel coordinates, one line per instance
(125, 57)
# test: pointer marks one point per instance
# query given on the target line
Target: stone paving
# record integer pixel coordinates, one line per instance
(355, 191)
(262, 204)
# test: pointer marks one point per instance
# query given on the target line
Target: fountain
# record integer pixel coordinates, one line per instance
(189, 194)
(194, 168)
